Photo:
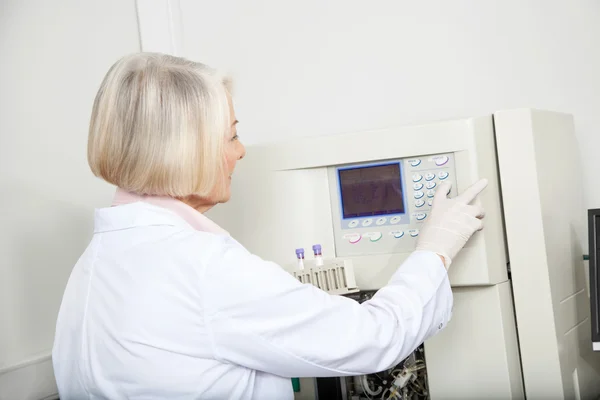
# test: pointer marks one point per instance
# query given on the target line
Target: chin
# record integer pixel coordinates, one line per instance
(225, 198)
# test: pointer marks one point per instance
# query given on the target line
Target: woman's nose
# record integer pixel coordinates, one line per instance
(242, 151)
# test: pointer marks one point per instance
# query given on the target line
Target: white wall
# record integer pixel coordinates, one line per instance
(54, 55)
(317, 67)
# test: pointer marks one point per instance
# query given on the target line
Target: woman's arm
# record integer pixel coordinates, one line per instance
(262, 318)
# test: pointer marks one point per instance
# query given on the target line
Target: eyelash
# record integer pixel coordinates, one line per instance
(235, 137)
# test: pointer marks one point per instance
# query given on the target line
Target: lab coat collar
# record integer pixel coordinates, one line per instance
(167, 206)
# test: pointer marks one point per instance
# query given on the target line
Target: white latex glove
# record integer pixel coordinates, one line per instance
(452, 222)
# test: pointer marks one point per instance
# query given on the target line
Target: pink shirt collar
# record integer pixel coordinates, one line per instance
(196, 219)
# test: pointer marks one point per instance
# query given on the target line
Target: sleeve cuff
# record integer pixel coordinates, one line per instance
(425, 263)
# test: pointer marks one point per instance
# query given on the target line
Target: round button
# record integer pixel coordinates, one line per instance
(414, 232)
(443, 175)
(441, 160)
(421, 216)
(430, 193)
(397, 234)
(353, 223)
(419, 194)
(417, 178)
(353, 237)
(419, 203)
(395, 220)
(375, 236)
(381, 221)
(431, 185)
(429, 177)
(417, 186)
(415, 163)
(367, 222)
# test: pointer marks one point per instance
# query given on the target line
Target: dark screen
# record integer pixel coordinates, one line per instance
(371, 191)
(594, 270)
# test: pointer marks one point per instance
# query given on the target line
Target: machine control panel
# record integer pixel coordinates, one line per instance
(379, 207)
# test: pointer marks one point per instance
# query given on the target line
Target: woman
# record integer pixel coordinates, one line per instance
(165, 304)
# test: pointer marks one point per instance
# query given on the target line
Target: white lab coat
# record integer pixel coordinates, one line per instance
(155, 309)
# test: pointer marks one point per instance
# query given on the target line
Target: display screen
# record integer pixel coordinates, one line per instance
(372, 190)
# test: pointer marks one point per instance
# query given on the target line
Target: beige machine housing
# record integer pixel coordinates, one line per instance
(520, 326)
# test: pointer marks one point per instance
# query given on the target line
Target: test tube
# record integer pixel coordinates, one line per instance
(318, 256)
(300, 257)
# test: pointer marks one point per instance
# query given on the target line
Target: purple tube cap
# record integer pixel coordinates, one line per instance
(316, 247)
(299, 252)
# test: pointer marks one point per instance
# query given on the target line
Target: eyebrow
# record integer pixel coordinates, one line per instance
(235, 122)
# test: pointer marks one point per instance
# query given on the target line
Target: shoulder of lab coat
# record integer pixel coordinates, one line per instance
(260, 317)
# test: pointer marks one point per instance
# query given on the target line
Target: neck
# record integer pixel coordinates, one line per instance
(199, 204)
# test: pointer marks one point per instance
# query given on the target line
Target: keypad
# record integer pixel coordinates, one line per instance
(426, 175)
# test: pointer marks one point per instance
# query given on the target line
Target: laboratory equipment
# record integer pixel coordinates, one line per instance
(594, 277)
(317, 252)
(408, 377)
(520, 320)
(300, 258)
(334, 276)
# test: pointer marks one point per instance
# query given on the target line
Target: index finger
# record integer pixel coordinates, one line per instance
(442, 192)
(472, 191)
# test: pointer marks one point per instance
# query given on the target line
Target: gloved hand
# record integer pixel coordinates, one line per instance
(452, 222)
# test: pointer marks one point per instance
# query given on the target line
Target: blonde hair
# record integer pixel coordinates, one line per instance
(158, 126)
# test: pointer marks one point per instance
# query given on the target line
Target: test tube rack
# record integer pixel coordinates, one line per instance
(335, 276)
